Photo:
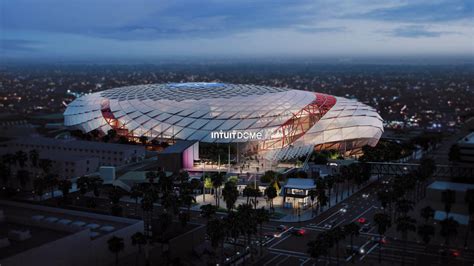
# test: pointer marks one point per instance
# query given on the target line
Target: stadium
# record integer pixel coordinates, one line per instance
(275, 123)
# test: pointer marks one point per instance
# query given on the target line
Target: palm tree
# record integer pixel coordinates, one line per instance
(248, 192)
(425, 231)
(136, 193)
(65, 186)
(351, 229)
(208, 210)
(230, 194)
(45, 165)
(329, 180)
(261, 216)
(116, 245)
(383, 222)
(469, 199)
(34, 157)
(405, 224)
(337, 234)
(449, 227)
(21, 157)
(320, 246)
(114, 195)
(51, 182)
(322, 198)
(448, 197)
(217, 180)
(271, 193)
(427, 213)
(216, 232)
(138, 239)
(23, 176)
(5, 172)
(39, 186)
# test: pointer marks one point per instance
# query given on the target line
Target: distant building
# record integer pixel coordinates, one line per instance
(466, 148)
(107, 154)
(296, 192)
(435, 191)
(179, 156)
(39, 235)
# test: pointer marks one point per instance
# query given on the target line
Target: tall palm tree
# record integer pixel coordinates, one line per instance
(337, 234)
(51, 182)
(313, 194)
(426, 231)
(139, 240)
(116, 245)
(33, 156)
(427, 213)
(23, 177)
(65, 186)
(449, 227)
(216, 232)
(39, 186)
(405, 224)
(230, 195)
(352, 229)
(448, 197)
(136, 193)
(208, 211)
(217, 180)
(329, 180)
(261, 216)
(271, 194)
(21, 157)
(469, 199)
(383, 222)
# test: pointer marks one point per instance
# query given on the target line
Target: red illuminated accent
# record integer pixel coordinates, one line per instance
(113, 122)
(456, 253)
(362, 220)
(300, 122)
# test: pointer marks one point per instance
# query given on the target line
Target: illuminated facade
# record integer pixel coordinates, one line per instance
(277, 123)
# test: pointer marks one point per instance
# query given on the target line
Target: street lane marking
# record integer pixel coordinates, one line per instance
(267, 263)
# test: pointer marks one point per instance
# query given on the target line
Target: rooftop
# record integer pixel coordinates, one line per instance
(442, 185)
(179, 147)
(73, 143)
(300, 183)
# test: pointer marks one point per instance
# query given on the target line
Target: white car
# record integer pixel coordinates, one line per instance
(365, 195)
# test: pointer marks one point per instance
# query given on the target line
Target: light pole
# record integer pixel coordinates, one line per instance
(203, 184)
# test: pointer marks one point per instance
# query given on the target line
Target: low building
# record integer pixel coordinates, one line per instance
(466, 148)
(180, 155)
(39, 235)
(296, 193)
(435, 191)
(108, 154)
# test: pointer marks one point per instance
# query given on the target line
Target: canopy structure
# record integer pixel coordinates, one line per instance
(278, 123)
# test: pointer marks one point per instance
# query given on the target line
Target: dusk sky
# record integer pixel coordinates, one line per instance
(146, 28)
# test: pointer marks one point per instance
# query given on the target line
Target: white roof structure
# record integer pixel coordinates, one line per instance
(300, 183)
(290, 122)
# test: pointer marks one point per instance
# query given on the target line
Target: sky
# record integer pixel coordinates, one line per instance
(74, 29)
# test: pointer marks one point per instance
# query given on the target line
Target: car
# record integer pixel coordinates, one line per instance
(282, 228)
(379, 239)
(365, 195)
(354, 250)
(449, 252)
(361, 220)
(298, 231)
(327, 226)
(343, 210)
(365, 228)
(386, 182)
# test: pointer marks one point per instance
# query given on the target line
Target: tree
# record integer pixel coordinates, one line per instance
(112, 133)
(449, 227)
(454, 153)
(217, 180)
(469, 199)
(426, 231)
(405, 224)
(65, 186)
(448, 197)
(262, 216)
(116, 245)
(230, 194)
(143, 139)
(320, 246)
(271, 193)
(114, 195)
(21, 157)
(248, 192)
(216, 232)
(39, 186)
(34, 157)
(138, 239)
(208, 210)
(51, 182)
(337, 234)
(351, 229)
(23, 177)
(136, 193)
(427, 213)
(45, 165)
(383, 222)
(313, 194)
(403, 206)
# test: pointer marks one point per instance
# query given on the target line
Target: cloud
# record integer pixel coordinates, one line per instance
(423, 11)
(321, 29)
(416, 31)
(18, 45)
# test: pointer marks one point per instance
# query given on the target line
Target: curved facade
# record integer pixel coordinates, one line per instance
(279, 123)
